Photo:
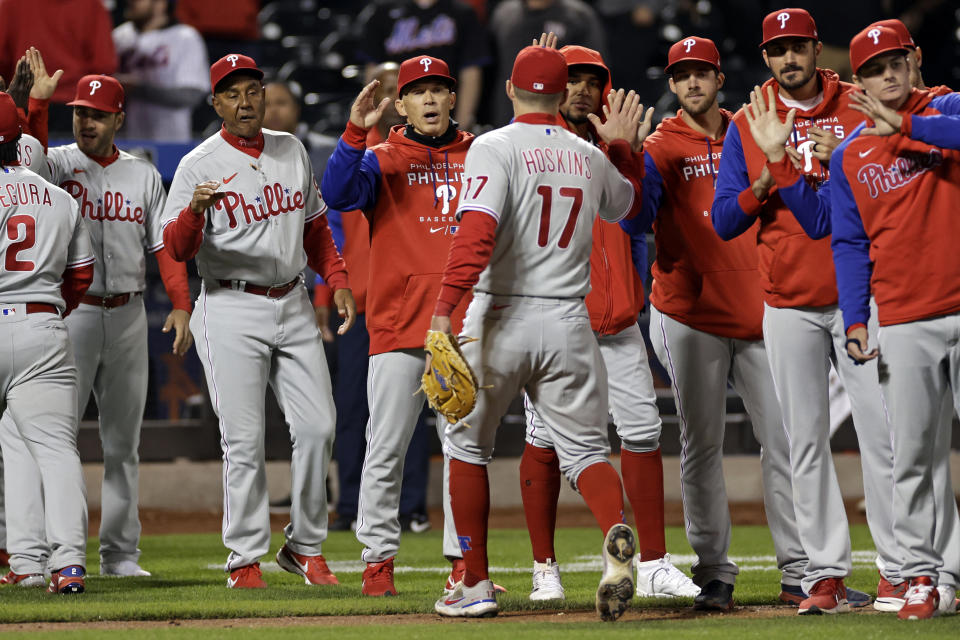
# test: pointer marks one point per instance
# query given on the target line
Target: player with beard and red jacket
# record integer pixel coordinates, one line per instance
(614, 301)
(705, 326)
(802, 325)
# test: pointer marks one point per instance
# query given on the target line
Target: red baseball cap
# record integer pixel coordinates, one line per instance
(693, 48)
(905, 38)
(420, 67)
(232, 63)
(788, 23)
(9, 119)
(103, 93)
(870, 43)
(540, 70)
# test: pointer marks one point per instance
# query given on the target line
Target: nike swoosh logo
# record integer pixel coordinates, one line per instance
(231, 582)
(303, 566)
(79, 171)
(449, 602)
(226, 180)
(497, 307)
(864, 154)
(434, 230)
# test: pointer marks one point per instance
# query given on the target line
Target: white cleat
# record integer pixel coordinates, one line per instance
(546, 582)
(616, 585)
(948, 600)
(478, 601)
(660, 579)
(123, 569)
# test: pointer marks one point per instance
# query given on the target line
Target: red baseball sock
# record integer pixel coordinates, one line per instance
(600, 487)
(643, 482)
(470, 501)
(540, 489)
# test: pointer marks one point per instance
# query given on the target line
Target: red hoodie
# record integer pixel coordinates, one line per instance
(698, 278)
(796, 271)
(616, 291)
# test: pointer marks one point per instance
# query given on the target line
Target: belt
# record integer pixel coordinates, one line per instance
(41, 307)
(273, 291)
(110, 302)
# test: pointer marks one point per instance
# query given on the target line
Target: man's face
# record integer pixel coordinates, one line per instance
(427, 105)
(139, 10)
(94, 130)
(886, 78)
(242, 105)
(696, 85)
(792, 61)
(281, 111)
(584, 94)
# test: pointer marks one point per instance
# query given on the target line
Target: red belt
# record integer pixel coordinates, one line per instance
(275, 291)
(109, 302)
(41, 307)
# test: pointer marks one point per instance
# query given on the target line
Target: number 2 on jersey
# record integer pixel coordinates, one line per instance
(546, 195)
(11, 263)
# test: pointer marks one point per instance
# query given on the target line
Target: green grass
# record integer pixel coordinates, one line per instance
(184, 586)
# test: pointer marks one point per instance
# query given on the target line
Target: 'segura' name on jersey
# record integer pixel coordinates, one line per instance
(112, 205)
(550, 160)
(901, 171)
(23, 193)
(274, 201)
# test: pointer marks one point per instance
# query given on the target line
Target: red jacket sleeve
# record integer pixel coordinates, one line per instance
(630, 166)
(183, 237)
(322, 254)
(76, 281)
(469, 254)
(322, 295)
(37, 120)
(174, 276)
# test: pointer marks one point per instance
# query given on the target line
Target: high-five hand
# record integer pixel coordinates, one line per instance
(886, 121)
(767, 130)
(364, 113)
(622, 117)
(548, 40)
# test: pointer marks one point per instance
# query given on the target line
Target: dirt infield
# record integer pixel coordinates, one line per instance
(157, 522)
(632, 615)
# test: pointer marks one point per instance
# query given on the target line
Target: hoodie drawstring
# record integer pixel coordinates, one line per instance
(713, 171)
(433, 181)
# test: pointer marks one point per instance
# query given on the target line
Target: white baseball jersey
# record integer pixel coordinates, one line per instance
(42, 236)
(32, 156)
(255, 233)
(121, 205)
(544, 186)
(175, 56)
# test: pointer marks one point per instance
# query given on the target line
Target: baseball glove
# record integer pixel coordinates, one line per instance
(450, 385)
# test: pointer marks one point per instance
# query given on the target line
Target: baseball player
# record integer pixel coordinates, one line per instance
(408, 187)
(532, 191)
(705, 326)
(615, 299)
(802, 326)
(896, 181)
(254, 321)
(48, 264)
(121, 199)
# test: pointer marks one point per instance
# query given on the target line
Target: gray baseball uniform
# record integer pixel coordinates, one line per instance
(246, 341)
(121, 204)
(45, 236)
(530, 296)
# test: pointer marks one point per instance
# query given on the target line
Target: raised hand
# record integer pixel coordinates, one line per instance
(886, 121)
(21, 83)
(644, 130)
(622, 117)
(365, 113)
(767, 130)
(205, 195)
(43, 84)
(548, 40)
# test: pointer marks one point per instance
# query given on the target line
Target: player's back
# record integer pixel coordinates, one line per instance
(545, 186)
(39, 220)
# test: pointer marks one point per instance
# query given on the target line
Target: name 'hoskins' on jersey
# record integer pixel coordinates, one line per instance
(544, 221)
(255, 233)
(120, 200)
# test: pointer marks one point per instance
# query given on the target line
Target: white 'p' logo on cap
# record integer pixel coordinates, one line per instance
(233, 59)
(783, 17)
(875, 34)
(94, 85)
(688, 43)
(426, 62)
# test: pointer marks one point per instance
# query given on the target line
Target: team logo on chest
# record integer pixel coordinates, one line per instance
(901, 172)
(274, 201)
(111, 206)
